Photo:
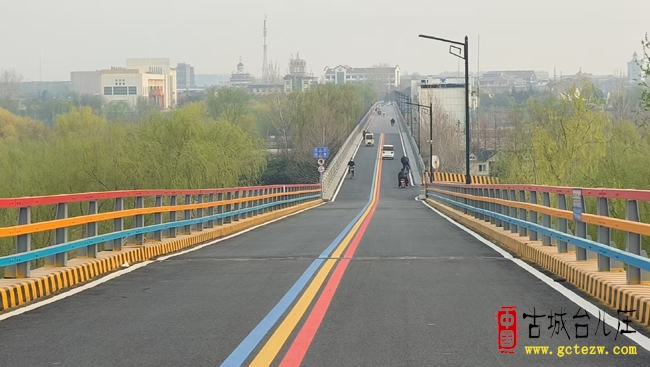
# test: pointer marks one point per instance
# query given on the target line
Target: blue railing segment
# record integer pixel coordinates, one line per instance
(611, 252)
(77, 244)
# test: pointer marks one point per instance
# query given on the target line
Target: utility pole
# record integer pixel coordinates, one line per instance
(465, 56)
(265, 66)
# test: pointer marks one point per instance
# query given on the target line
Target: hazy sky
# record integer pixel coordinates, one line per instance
(598, 35)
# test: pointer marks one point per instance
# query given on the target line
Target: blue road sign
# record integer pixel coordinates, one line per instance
(321, 152)
(577, 205)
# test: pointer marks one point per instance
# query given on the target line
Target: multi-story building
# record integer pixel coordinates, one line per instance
(506, 81)
(161, 67)
(264, 88)
(634, 72)
(129, 85)
(447, 95)
(298, 79)
(380, 77)
(185, 76)
(86, 82)
(240, 78)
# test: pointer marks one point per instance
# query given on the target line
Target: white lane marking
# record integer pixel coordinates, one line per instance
(638, 338)
(336, 193)
(399, 129)
(118, 273)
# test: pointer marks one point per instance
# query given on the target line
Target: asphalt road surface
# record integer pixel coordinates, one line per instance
(418, 291)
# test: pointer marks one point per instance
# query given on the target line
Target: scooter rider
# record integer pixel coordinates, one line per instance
(402, 176)
(405, 163)
(351, 165)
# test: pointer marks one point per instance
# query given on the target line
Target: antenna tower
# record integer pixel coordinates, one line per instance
(265, 66)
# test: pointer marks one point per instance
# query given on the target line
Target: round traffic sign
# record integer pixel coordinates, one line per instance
(435, 161)
(321, 162)
(321, 169)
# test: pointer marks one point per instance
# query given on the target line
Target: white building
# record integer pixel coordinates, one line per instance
(86, 82)
(153, 79)
(447, 95)
(240, 78)
(162, 68)
(298, 79)
(128, 85)
(384, 76)
(634, 72)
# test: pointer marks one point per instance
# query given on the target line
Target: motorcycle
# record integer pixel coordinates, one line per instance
(351, 172)
(402, 183)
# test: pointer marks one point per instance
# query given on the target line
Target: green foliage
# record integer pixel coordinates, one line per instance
(571, 141)
(645, 66)
(231, 104)
(214, 143)
(322, 116)
(561, 142)
(83, 153)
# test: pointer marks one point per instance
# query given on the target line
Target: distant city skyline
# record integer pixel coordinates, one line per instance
(598, 37)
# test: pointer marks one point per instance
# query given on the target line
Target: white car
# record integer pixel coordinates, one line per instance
(387, 152)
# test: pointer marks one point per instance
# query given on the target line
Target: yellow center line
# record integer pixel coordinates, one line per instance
(272, 347)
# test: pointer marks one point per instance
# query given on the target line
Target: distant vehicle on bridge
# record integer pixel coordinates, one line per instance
(370, 140)
(388, 152)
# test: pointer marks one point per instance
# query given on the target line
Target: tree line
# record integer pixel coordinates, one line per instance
(577, 139)
(220, 141)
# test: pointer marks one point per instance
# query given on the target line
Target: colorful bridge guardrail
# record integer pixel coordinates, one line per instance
(198, 214)
(457, 177)
(518, 210)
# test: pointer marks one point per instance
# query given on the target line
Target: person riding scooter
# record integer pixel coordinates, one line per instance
(405, 163)
(351, 167)
(402, 176)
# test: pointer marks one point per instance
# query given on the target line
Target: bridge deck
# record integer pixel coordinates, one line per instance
(417, 291)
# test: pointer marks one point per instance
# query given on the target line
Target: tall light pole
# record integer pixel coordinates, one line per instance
(430, 109)
(465, 56)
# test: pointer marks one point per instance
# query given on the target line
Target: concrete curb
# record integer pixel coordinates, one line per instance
(48, 281)
(609, 287)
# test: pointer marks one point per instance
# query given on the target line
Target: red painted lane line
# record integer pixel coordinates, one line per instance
(300, 345)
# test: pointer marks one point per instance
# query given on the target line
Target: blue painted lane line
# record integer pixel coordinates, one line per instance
(246, 347)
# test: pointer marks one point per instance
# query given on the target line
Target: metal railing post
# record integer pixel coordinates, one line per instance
(139, 220)
(633, 241)
(172, 215)
(211, 210)
(23, 244)
(60, 237)
(187, 229)
(523, 231)
(546, 219)
(90, 251)
(220, 208)
(157, 218)
(562, 224)
(199, 214)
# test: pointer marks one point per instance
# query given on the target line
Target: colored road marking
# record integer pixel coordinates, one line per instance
(246, 347)
(301, 344)
(269, 352)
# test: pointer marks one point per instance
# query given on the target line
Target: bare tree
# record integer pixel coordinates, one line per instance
(448, 138)
(621, 102)
(10, 84)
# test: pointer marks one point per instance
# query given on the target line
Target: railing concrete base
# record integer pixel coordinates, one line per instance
(49, 280)
(609, 287)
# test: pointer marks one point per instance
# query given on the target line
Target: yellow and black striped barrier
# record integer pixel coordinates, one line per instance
(457, 177)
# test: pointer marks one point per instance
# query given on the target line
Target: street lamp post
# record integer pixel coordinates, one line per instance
(465, 56)
(430, 109)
